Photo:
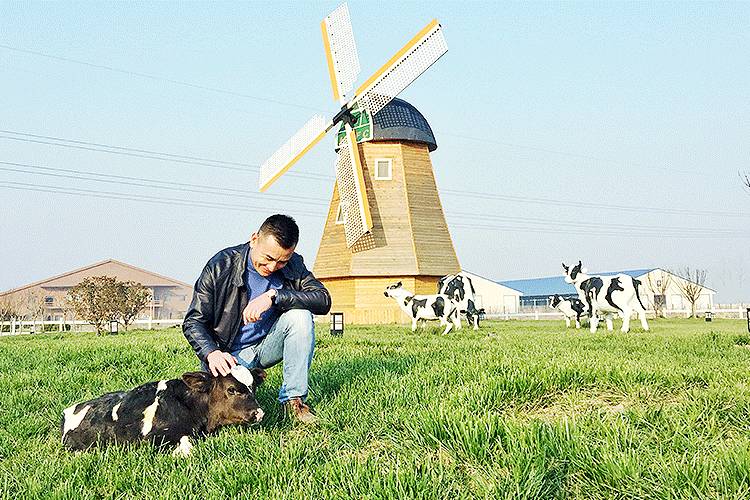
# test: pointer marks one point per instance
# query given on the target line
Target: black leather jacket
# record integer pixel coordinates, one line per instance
(220, 296)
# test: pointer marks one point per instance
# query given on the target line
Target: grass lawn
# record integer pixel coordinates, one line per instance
(520, 409)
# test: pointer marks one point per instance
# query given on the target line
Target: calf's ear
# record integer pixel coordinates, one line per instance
(565, 267)
(259, 374)
(198, 381)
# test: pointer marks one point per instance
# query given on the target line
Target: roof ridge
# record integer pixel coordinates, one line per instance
(84, 268)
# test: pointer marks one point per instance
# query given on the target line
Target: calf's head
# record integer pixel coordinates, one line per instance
(393, 290)
(574, 274)
(554, 300)
(231, 398)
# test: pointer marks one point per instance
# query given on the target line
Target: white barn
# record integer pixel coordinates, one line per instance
(494, 297)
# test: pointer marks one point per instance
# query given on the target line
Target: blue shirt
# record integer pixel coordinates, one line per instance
(257, 285)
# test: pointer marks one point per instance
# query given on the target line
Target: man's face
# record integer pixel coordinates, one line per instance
(267, 255)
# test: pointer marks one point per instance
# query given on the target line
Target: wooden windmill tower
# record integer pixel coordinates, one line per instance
(385, 222)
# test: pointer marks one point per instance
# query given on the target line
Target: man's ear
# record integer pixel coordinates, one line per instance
(259, 375)
(198, 381)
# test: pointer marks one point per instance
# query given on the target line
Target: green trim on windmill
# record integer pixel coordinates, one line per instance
(362, 126)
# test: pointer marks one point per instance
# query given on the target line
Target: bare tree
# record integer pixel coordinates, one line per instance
(132, 298)
(745, 179)
(658, 285)
(31, 306)
(691, 285)
(8, 309)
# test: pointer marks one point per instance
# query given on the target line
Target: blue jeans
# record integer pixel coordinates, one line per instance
(290, 340)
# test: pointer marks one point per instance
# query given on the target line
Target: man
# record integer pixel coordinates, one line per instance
(253, 305)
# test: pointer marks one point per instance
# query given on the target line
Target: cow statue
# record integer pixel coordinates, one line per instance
(425, 307)
(460, 288)
(570, 308)
(165, 412)
(608, 295)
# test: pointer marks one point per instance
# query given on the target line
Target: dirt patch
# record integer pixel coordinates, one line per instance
(575, 404)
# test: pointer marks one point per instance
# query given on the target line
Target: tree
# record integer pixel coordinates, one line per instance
(8, 308)
(132, 298)
(658, 285)
(95, 300)
(691, 285)
(746, 179)
(31, 306)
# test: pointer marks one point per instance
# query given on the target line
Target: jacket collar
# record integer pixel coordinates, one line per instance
(238, 274)
(240, 265)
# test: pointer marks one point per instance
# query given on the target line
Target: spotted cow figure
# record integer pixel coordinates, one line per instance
(607, 295)
(425, 307)
(570, 308)
(460, 288)
(165, 412)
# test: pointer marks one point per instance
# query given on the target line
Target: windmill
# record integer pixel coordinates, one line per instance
(373, 95)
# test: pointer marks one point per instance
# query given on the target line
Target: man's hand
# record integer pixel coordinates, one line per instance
(256, 307)
(220, 362)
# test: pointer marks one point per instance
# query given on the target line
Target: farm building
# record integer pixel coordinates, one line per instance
(171, 297)
(656, 285)
(494, 297)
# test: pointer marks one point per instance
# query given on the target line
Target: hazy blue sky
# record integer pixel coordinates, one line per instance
(607, 132)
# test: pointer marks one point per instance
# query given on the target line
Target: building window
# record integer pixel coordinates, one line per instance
(660, 300)
(48, 301)
(340, 215)
(383, 169)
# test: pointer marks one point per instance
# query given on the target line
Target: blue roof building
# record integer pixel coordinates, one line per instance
(536, 291)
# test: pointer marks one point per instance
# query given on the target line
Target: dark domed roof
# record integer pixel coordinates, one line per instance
(399, 120)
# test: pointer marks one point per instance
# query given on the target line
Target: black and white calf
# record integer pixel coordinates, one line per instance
(570, 307)
(460, 288)
(165, 412)
(607, 295)
(424, 307)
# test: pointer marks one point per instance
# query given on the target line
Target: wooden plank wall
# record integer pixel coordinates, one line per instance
(410, 231)
(362, 301)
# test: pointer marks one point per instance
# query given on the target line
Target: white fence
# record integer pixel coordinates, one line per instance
(717, 312)
(24, 327)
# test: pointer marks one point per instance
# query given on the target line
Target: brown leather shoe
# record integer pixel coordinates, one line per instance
(298, 411)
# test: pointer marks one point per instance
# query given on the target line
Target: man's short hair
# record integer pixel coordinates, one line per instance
(283, 228)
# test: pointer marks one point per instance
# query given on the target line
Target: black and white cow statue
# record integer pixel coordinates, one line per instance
(460, 288)
(607, 295)
(165, 412)
(570, 308)
(425, 307)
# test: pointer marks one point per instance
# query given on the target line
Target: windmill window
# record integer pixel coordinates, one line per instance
(383, 169)
(340, 215)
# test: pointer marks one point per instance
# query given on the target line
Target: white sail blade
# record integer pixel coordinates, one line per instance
(341, 51)
(352, 190)
(288, 154)
(402, 69)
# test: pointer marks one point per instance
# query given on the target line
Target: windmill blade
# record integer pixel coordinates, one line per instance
(288, 154)
(402, 69)
(352, 191)
(341, 51)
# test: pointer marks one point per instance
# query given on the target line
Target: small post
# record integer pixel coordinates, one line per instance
(337, 324)
(747, 313)
(114, 326)
(709, 316)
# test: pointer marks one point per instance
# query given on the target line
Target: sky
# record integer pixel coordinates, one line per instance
(608, 132)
